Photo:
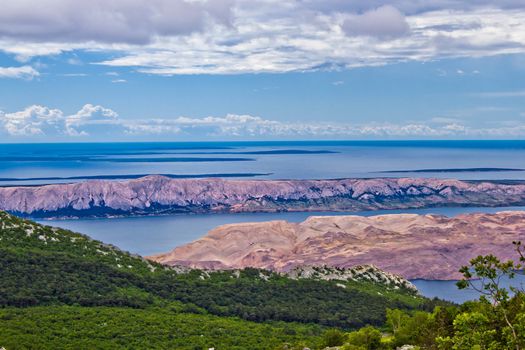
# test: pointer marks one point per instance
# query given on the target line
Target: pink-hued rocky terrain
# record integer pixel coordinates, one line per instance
(412, 246)
(161, 195)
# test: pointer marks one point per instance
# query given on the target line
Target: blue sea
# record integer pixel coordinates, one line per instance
(30, 164)
(52, 163)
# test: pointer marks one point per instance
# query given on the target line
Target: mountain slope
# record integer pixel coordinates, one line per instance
(410, 245)
(45, 266)
(159, 194)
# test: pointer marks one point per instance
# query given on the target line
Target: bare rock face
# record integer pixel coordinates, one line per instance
(412, 246)
(161, 195)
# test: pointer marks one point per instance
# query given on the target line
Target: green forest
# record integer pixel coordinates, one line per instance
(60, 289)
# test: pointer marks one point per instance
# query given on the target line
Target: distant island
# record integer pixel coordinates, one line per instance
(452, 170)
(131, 176)
(154, 195)
(431, 247)
(266, 152)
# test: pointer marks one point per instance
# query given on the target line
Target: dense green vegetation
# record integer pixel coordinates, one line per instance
(45, 266)
(69, 327)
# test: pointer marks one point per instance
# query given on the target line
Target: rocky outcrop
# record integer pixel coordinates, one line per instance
(162, 195)
(409, 245)
(360, 273)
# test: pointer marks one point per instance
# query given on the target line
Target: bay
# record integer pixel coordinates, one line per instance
(448, 290)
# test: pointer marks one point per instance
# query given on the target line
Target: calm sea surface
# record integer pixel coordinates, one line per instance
(29, 164)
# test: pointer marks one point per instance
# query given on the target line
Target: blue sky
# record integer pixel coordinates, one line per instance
(271, 70)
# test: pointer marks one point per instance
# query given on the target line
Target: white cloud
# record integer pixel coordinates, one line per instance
(104, 124)
(384, 22)
(44, 121)
(169, 37)
(91, 119)
(34, 120)
(23, 72)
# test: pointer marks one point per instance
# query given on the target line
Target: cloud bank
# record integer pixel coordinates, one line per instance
(171, 37)
(100, 123)
(44, 121)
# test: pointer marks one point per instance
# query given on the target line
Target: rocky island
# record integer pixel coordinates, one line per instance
(412, 246)
(157, 194)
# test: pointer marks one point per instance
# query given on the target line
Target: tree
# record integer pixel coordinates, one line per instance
(484, 274)
(395, 319)
(333, 337)
(473, 331)
(369, 338)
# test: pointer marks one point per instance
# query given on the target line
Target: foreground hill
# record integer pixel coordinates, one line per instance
(52, 276)
(159, 194)
(413, 246)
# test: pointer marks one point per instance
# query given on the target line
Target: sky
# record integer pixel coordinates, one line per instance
(192, 70)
